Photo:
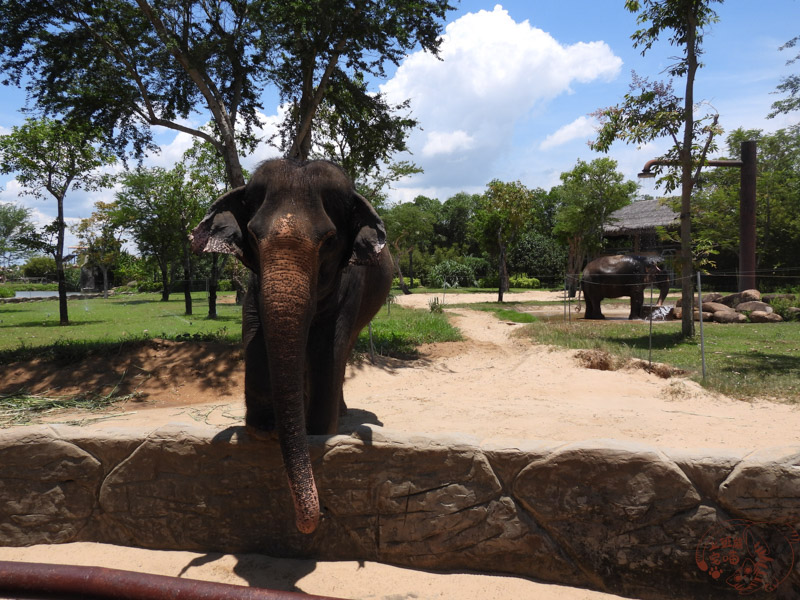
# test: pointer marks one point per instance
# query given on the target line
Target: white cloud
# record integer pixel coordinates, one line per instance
(439, 142)
(582, 127)
(493, 74)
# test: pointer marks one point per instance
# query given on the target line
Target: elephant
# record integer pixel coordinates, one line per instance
(622, 275)
(320, 270)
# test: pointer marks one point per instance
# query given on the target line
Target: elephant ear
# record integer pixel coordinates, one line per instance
(221, 230)
(370, 233)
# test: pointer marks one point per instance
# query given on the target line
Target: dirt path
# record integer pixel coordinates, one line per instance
(493, 385)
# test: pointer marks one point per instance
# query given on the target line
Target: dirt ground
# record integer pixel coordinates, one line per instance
(493, 385)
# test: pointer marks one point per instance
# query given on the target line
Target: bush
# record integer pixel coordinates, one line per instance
(149, 286)
(782, 305)
(6, 292)
(409, 283)
(453, 273)
(515, 281)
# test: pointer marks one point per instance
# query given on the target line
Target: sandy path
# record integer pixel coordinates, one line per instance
(493, 385)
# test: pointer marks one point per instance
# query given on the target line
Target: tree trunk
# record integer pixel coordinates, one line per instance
(504, 285)
(687, 182)
(411, 266)
(164, 280)
(187, 276)
(213, 286)
(63, 315)
(396, 259)
(104, 269)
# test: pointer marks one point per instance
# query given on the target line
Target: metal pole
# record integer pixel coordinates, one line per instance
(650, 346)
(702, 338)
(747, 217)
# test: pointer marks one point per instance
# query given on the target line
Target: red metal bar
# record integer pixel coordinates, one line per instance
(36, 580)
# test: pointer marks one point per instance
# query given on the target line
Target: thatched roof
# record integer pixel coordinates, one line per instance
(639, 217)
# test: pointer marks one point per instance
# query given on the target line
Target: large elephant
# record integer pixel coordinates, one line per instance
(320, 271)
(622, 275)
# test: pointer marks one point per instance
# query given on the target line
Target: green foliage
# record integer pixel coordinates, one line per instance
(521, 281)
(15, 224)
(411, 284)
(789, 85)
(6, 291)
(541, 254)
(451, 273)
(40, 266)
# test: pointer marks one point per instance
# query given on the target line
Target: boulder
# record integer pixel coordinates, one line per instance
(754, 306)
(760, 316)
(745, 296)
(715, 307)
(678, 314)
(710, 297)
(729, 316)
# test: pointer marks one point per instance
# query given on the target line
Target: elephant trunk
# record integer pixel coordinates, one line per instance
(288, 300)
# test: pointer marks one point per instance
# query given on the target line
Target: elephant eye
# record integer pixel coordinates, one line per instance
(328, 241)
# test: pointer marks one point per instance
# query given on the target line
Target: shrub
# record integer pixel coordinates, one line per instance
(6, 292)
(782, 305)
(453, 273)
(515, 281)
(149, 286)
(409, 283)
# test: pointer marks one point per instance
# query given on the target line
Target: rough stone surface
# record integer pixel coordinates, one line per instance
(738, 298)
(715, 307)
(618, 517)
(759, 316)
(728, 316)
(753, 305)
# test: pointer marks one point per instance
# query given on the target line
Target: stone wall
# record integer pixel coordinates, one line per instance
(619, 517)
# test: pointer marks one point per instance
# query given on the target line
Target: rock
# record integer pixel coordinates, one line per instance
(760, 316)
(754, 305)
(745, 296)
(715, 307)
(793, 313)
(729, 316)
(710, 297)
(619, 517)
(678, 314)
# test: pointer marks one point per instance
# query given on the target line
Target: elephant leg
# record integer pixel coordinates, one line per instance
(259, 412)
(593, 307)
(324, 387)
(637, 302)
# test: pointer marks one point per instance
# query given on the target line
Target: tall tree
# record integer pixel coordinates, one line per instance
(789, 85)
(101, 242)
(656, 112)
(588, 194)
(15, 223)
(136, 64)
(156, 206)
(52, 158)
(505, 210)
(409, 226)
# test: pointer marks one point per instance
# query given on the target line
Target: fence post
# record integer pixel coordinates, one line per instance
(702, 338)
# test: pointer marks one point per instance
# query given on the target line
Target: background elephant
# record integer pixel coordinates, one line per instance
(622, 275)
(320, 271)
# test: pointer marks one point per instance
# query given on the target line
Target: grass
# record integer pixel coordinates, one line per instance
(505, 312)
(31, 329)
(742, 361)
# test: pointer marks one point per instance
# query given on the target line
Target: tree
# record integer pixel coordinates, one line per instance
(156, 206)
(52, 158)
(206, 172)
(454, 225)
(409, 226)
(715, 208)
(588, 194)
(99, 235)
(505, 209)
(15, 223)
(135, 65)
(656, 112)
(788, 85)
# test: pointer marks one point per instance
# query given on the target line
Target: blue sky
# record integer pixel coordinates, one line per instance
(512, 96)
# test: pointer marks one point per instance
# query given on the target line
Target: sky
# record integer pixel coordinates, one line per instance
(512, 93)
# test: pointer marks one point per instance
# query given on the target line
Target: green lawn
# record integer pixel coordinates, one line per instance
(743, 361)
(31, 329)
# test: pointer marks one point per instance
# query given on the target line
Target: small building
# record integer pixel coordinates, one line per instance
(632, 229)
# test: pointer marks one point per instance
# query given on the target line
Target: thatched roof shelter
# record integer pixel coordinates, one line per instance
(639, 221)
(640, 217)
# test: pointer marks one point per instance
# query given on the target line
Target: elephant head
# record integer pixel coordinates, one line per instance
(657, 276)
(296, 226)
